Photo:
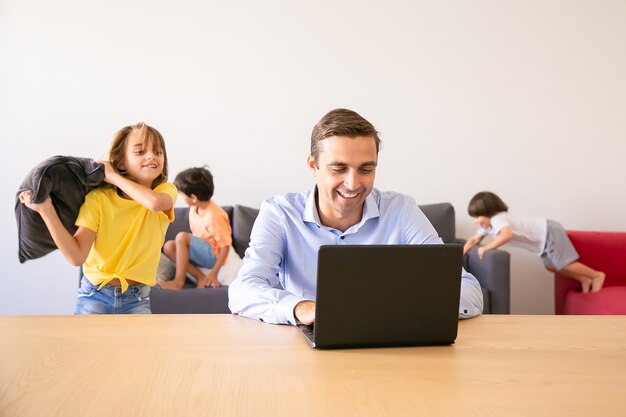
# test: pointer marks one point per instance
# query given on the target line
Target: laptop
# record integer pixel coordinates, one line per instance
(386, 295)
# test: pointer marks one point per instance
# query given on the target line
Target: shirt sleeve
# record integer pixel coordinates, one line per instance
(169, 189)
(252, 293)
(421, 231)
(471, 303)
(482, 232)
(498, 222)
(223, 236)
(89, 214)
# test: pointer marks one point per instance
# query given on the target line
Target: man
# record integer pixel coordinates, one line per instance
(342, 208)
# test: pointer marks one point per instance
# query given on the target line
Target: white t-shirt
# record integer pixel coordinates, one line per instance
(528, 232)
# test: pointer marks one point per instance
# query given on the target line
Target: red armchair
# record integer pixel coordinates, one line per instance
(603, 251)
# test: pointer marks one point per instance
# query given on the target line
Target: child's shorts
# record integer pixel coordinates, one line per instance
(201, 253)
(559, 251)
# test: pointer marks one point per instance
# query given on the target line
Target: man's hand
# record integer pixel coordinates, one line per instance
(304, 312)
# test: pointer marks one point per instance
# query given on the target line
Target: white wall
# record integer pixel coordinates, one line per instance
(524, 98)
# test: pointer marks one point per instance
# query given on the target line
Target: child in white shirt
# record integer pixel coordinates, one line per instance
(545, 237)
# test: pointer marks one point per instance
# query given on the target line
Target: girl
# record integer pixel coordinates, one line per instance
(121, 226)
(542, 236)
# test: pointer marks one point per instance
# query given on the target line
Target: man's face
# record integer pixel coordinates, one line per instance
(344, 174)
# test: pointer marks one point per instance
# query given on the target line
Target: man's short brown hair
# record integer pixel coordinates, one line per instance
(341, 122)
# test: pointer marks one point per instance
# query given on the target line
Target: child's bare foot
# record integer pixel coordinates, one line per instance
(202, 282)
(170, 285)
(598, 282)
(586, 284)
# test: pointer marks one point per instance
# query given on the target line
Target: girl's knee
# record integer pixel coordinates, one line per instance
(169, 247)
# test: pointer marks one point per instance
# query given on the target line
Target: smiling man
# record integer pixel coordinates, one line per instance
(342, 208)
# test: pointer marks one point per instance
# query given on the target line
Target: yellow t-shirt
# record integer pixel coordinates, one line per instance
(128, 236)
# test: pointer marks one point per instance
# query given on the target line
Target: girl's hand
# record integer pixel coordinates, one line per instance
(109, 171)
(481, 252)
(26, 199)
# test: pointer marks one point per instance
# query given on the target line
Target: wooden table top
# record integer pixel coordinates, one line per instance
(224, 365)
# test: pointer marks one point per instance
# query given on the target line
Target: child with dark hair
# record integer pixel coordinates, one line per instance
(209, 243)
(544, 237)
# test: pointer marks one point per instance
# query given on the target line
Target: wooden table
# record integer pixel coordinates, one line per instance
(222, 365)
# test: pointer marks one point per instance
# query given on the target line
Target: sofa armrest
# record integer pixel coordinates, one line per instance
(494, 273)
(602, 251)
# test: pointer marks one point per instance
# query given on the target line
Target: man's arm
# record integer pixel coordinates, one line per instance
(252, 293)
(471, 303)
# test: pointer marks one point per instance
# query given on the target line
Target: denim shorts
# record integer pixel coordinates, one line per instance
(111, 299)
(201, 253)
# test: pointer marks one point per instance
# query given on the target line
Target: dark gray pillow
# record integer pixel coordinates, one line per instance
(67, 180)
(441, 215)
(243, 220)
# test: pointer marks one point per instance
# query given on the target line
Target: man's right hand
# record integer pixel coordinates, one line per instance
(304, 312)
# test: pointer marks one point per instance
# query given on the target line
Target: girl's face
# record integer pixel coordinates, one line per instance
(143, 164)
(483, 221)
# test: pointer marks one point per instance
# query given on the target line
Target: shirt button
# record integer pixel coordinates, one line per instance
(343, 237)
(465, 311)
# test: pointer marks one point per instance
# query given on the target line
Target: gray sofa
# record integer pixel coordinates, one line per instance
(493, 272)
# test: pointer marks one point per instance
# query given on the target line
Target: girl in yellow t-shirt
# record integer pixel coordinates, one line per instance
(121, 226)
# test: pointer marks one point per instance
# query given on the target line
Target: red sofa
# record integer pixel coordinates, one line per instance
(603, 251)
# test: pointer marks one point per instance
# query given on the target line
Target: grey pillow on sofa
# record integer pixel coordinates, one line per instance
(441, 215)
(166, 269)
(67, 180)
(243, 220)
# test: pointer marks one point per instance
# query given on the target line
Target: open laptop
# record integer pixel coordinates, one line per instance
(386, 295)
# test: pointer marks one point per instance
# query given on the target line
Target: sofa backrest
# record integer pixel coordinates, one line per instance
(242, 218)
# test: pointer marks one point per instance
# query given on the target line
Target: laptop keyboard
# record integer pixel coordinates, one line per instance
(309, 331)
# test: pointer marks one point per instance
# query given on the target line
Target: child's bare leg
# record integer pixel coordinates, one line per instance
(585, 282)
(581, 270)
(181, 254)
(597, 277)
(201, 279)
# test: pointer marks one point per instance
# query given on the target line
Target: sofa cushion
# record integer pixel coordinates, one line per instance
(609, 300)
(180, 223)
(441, 215)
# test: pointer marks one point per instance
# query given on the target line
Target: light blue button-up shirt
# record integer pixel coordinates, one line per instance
(287, 235)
